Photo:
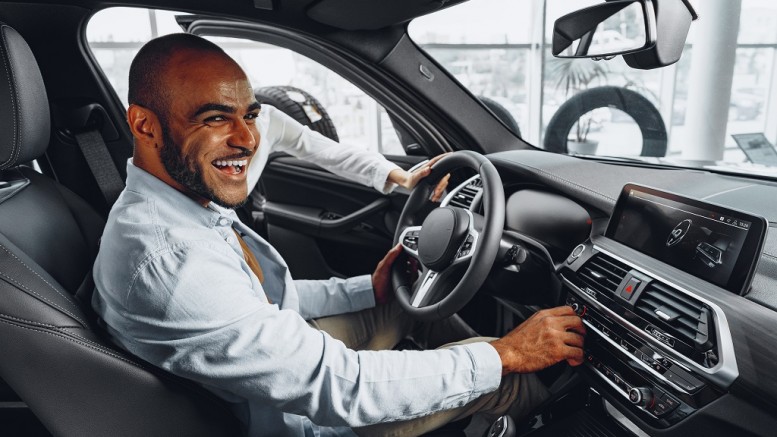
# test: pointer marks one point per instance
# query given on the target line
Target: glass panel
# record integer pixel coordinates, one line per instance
(116, 34)
(512, 62)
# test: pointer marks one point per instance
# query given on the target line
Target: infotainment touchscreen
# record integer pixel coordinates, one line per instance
(714, 243)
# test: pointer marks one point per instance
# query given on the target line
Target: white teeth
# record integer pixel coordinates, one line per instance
(222, 163)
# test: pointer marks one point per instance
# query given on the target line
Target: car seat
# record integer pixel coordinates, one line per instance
(53, 354)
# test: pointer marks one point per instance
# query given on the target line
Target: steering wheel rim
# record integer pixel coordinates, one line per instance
(485, 245)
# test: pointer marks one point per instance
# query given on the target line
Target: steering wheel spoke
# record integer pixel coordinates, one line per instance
(421, 294)
(409, 240)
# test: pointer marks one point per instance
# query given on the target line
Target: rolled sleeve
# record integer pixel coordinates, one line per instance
(354, 163)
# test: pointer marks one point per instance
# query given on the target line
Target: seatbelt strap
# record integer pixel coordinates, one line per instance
(101, 164)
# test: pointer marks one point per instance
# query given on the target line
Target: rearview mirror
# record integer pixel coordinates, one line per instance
(605, 30)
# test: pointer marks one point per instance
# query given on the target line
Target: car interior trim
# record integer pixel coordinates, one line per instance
(724, 373)
(590, 326)
(620, 391)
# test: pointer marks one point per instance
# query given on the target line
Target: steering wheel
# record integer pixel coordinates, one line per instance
(449, 239)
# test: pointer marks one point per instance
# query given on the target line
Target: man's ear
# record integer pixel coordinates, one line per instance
(144, 125)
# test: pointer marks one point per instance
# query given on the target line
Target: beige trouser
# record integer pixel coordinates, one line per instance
(384, 326)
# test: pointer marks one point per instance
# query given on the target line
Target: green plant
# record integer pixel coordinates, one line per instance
(572, 75)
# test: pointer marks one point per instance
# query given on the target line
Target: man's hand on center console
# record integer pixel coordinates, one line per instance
(546, 338)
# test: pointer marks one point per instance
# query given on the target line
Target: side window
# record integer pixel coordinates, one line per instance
(294, 83)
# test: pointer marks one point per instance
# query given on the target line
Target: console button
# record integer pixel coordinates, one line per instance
(671, 376)
(576, 252)
(630, 288)
(664, 405)
(670, 402)
(659, 408)
(578, 308)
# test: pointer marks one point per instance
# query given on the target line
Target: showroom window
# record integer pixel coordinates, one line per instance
(500, 52)
(358, 119)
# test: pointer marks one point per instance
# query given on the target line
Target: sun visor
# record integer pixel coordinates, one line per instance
(372, 14)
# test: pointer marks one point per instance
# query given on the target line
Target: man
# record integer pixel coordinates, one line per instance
(184, 285)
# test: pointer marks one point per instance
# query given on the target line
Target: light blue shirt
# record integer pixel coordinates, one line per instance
(174, 289)
(280, 133)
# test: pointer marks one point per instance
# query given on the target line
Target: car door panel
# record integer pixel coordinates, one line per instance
(325, 225)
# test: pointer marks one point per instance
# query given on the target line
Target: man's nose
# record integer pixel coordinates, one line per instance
(244, 136)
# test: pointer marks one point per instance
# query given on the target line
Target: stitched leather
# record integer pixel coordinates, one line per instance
(24, 112)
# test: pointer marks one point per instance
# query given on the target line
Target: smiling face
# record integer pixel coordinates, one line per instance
(208, 131)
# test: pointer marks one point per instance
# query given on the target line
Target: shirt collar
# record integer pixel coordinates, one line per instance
(182, 206)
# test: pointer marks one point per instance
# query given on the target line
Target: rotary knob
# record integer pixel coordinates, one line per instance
(578, 308)
(641, 396)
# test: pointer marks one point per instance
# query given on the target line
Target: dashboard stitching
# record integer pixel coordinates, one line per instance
(554, 176)
(726, 192)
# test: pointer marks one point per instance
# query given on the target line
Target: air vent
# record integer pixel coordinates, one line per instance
(603, 274)
(679, 314)
(467, 195)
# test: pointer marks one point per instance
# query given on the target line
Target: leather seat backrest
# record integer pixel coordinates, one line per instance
(53, 357)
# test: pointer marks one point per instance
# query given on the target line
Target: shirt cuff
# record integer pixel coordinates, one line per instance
(487, 368)
(380, 177)
(361, 295)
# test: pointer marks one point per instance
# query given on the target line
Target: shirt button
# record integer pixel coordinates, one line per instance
(223, 221)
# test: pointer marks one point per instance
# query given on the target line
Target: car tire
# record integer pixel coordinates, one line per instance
(644, 113)
(501, 113)
(300, 106)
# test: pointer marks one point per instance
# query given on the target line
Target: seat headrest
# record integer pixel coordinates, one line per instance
(24, 108)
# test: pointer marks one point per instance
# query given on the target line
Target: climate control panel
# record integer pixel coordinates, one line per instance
(635, 372)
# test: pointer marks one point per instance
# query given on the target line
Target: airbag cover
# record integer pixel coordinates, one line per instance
(442, 233)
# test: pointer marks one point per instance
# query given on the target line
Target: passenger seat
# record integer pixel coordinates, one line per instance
(53, 356)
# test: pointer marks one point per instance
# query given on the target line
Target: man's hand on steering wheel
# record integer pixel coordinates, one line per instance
(455, 247)
(381, 278)
(409, 180)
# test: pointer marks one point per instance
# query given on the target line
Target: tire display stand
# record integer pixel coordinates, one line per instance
(639, 108)
(299, 105)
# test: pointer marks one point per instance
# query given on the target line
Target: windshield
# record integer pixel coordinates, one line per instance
(712, 109)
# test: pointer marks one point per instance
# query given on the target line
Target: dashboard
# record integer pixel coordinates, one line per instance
(676, 284)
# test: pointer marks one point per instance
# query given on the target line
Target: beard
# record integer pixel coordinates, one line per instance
(188, 172)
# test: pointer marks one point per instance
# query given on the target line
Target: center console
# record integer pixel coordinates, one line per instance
(657, 348)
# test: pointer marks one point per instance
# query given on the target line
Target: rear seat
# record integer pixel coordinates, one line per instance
(53, 357)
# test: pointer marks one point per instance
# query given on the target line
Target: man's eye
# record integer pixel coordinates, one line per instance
(252, 116)
(215, 119)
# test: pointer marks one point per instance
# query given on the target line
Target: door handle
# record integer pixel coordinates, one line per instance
(310, 220)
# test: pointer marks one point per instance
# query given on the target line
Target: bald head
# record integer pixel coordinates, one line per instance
(148, 75)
